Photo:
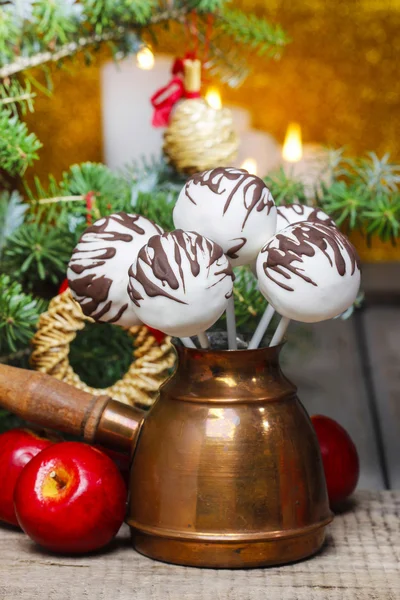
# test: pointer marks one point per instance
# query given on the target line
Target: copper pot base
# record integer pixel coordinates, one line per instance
(241, 554)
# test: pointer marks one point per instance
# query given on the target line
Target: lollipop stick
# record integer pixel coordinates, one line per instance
(231, 324)
(186, 341)
(280, 331)
(203, 339)
(262, 327)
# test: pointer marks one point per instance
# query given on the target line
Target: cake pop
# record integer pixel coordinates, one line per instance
(98, 269)
(309, 272)
(288, 214)
(180, 283)
(231, 207)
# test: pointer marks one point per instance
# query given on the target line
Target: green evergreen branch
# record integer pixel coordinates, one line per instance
(59, 29)
(19, 313)
(9, 34)
(377, 174)
(21, 63)
(105, 14)
(284, 188)
(18, 147)
(254, 32)
(56, 21)
(383, 217)
(345, 203)
(12, 212)
(17, 96)
(249, 303)
(38, 251)
(91, 32)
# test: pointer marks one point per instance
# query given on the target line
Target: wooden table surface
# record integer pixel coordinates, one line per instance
(360, 560)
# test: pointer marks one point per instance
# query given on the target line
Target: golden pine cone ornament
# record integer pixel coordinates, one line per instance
(199, 137)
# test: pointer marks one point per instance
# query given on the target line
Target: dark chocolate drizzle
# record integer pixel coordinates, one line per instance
(249, 185)
(308, 237)
(232, 252)
(92, 287)
(299, 209)
(97, 288)
(154, 255)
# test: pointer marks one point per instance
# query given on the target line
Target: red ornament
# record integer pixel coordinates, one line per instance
(70, 498)
(158, 335)
(339, 457)
(17, 448)
(64, 286)
(90, 200)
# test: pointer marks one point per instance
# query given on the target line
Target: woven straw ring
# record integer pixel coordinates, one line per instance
(58, 327)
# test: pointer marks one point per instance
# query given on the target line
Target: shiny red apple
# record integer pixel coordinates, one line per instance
(121, 459)
(70, 498)
(17, 448)
(339, 457)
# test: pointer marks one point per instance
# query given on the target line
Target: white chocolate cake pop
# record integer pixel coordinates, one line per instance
(288, 214)
(98, 269)
(309, 272)
(180, 283)
(231, 207)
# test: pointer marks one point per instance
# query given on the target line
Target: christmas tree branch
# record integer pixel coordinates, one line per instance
(58, 199)
(21, 63)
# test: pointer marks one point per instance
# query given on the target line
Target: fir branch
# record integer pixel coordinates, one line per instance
(344, 203)
(21, 63)
(18, 147)
(156, 206)
(105, 14)
(17, 96)
(19, 313)
(284, 188)
(56, 21)
(12, 211)
(101, 354)
(37, 251)
(34, 57)
(376, 174)
(254, 32)
(249, 303)
(204, 6)
(9, 33)
(86, 192)
(111, 192)
(383, 217)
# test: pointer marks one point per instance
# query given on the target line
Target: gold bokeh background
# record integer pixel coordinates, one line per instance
(339, 78)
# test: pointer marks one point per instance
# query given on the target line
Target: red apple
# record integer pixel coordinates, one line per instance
(121, 459)
(70, 498)
(339, 457)
(17, 447)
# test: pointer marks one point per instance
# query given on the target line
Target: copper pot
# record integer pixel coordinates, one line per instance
(226, 469)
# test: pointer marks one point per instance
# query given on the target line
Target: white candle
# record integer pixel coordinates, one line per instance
(306, 162)
(250, 165)
(260, 147)
(126, 110)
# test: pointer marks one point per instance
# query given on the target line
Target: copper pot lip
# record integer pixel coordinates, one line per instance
(273, 350)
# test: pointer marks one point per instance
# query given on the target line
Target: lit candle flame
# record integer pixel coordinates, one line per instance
(145, 59)
(292, 150)
(213, 98)
(250, 164)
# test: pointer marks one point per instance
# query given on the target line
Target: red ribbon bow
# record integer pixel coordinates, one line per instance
(165, 98)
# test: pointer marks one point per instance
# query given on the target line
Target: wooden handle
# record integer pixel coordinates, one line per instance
(44, 400)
